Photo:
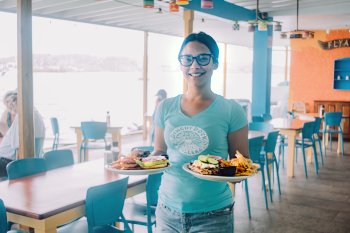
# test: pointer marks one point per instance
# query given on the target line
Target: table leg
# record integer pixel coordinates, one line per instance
(339, 150)
(291, 134)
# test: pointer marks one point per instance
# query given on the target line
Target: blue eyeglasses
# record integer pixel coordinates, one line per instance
(202, 59)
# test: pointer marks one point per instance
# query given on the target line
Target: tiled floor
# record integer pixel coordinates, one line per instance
(319, 204)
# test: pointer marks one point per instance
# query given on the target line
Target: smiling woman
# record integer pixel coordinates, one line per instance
(188, 125)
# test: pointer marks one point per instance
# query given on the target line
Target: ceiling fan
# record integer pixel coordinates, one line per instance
(261, 21)
(298, 33)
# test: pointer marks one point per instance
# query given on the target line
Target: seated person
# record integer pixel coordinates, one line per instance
(10, 141)
(8, 116)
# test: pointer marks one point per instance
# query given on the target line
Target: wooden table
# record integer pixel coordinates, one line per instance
(115, 131)
(47, 200)
(289, 128)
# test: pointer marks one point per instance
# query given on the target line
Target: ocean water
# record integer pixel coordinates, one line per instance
(80, 96)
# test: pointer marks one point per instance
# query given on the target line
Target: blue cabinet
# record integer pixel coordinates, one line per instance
(342, 74)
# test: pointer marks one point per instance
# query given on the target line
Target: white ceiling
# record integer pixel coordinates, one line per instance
(313, 15)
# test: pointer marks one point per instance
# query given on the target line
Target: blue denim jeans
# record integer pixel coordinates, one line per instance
(217, 221)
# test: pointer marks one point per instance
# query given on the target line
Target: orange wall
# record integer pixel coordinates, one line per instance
(311, 76)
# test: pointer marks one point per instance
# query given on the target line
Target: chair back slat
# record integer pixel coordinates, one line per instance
(257, 119)
(94, 130)
(271, 142)
(308, 130)
(255, 145)
(318, 122)
(333, 118)
(3, 218)
(152, 187)
(54, 125)
(25, 167)
(260, 126)
(104, 203)
(58, 158)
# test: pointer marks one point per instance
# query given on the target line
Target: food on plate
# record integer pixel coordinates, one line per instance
(138, 159)
(215, 165)
(244, 166)
(205, 165)
(153, 161)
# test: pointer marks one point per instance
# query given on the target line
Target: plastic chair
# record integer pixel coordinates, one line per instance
(260, 126)
(25, 167)
(58, 158)
(257, 119)
(306, 141)
(103, 207)
(144, 213)
(92, 130)
(3, 220)
(39, 143)
(333, 126)
(317, 126)
(55, 132)
(255, 145)
(269, 149)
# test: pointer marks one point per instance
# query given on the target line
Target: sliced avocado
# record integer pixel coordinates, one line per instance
(212, 161)
(203, 158)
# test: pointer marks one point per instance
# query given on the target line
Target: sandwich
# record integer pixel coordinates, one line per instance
(153, 161)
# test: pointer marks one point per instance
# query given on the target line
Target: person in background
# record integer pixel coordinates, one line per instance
(8, 116)
(191, 124)
(10, 141)
(160, 96)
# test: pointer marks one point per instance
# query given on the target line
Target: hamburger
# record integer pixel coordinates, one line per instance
(206, 165)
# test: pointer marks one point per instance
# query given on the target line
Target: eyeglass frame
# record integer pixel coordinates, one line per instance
(196, 58)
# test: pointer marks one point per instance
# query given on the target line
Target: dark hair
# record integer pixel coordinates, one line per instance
(205, 39)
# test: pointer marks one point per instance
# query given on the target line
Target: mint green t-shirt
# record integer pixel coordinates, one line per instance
(186, 138)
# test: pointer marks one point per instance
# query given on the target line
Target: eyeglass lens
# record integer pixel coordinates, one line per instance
(202, 59)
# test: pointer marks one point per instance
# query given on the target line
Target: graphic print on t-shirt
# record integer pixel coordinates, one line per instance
(189, 140)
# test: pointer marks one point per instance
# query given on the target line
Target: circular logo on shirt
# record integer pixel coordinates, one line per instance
(189, 140)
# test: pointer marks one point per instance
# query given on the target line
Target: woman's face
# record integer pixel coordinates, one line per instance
(195, 73)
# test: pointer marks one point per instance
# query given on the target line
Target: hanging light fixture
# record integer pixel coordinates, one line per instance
(298, 33)
(207, 4)
(262, 22)
(236, 26)
(148, 3)
(173, 7)
(182, 2)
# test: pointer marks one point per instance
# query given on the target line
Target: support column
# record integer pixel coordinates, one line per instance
(262, 57)
(188, 16)
(25, 79)
(145, 84)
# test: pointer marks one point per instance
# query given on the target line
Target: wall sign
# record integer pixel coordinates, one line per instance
(334, 44)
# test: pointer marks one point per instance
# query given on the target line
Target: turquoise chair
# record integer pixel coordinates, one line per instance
(58, 158)
(255, 145)
(269, 148)
(316, 135)
(257, 119)
(25, 167)
(3, 220)
(92, 131)
(306, 141)
(144, 213)
(55, 132)
(333, 126)
(39, 143)
(260, 126)
(103, 208)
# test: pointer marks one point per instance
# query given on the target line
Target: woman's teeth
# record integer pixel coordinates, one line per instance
(196, 74)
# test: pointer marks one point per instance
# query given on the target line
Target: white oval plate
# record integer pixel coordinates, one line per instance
(136, 172)
(216, 178)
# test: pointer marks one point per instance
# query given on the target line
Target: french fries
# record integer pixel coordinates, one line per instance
(244, 166)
